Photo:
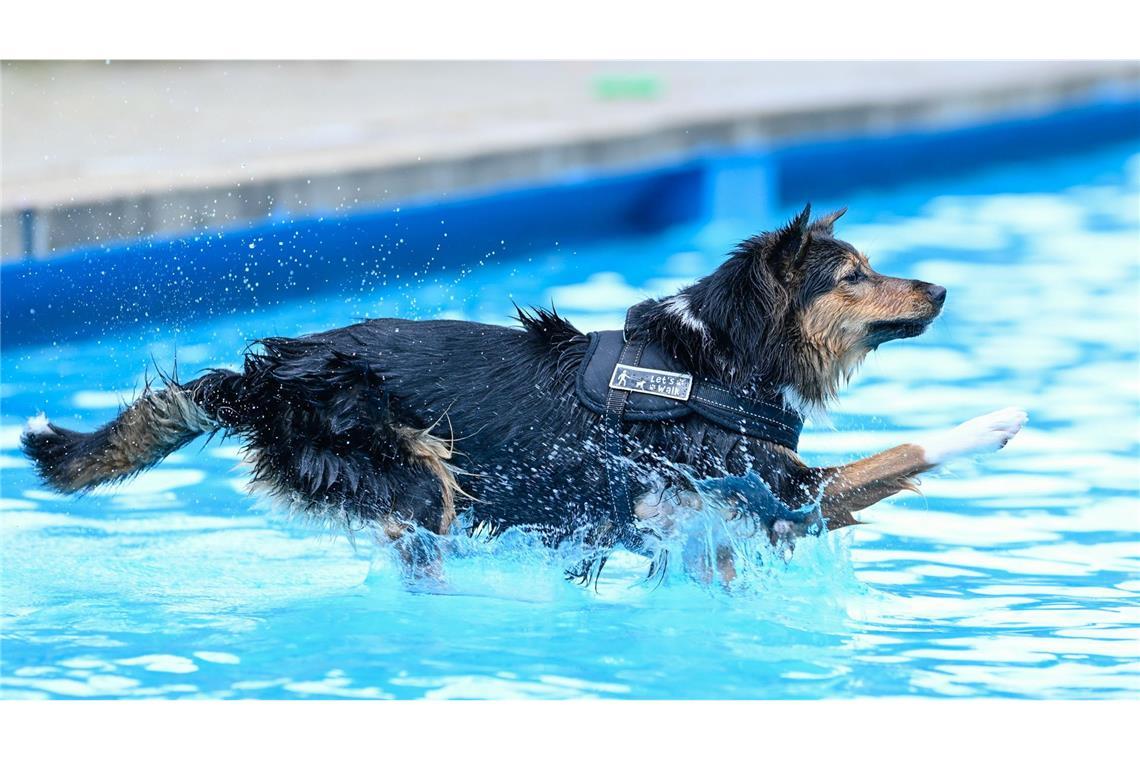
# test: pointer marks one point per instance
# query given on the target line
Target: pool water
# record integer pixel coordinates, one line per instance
(1018, 575)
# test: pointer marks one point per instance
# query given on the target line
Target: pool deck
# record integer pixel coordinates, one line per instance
(101, 152)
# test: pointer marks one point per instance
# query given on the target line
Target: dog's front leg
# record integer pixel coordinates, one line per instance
(858, 485)
(851, 487)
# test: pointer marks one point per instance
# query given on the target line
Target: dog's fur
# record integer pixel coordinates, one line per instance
(402, 424)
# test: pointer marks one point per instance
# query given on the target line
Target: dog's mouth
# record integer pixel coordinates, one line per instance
(892, 329)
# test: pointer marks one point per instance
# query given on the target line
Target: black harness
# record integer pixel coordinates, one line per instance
(634, 380)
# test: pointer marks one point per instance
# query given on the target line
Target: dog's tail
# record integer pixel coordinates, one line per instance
(156, 424)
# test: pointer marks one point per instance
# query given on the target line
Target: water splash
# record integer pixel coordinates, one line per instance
(804, 568)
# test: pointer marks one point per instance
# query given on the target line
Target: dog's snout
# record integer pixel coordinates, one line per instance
(936, 293)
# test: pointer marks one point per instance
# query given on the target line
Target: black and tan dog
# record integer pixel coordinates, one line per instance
(401, 425)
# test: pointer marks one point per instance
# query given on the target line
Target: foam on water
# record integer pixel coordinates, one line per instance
(1011, 576)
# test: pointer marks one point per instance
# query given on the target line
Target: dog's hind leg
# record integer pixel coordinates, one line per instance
(424, 507)
(323, 434)
(426, 451)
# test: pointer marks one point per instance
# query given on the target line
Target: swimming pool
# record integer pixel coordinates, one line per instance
(1017, 576)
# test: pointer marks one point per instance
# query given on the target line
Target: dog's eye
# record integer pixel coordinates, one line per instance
(854, 277)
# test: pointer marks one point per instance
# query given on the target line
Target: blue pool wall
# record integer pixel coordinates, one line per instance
(101, 289)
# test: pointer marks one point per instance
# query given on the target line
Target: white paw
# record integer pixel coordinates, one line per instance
(981, 435)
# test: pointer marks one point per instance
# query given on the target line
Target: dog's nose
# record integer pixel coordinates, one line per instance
(936, 293)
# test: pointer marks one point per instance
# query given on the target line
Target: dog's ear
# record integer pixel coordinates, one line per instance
(790, 243)
(825, 225)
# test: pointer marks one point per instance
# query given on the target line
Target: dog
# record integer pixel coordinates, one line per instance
(400, 426)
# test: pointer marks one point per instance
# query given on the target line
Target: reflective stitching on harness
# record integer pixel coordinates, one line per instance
(746, 413)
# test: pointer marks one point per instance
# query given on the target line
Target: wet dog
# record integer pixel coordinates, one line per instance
(399, 426)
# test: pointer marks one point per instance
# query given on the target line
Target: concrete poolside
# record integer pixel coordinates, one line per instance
(95, 152)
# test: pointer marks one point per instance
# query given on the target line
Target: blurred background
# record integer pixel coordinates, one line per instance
(100, 152)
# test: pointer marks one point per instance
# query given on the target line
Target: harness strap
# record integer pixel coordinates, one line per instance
(617, 476)
(754, 418)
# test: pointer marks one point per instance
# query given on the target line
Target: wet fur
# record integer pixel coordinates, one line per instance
(158, 423)
(399, 425)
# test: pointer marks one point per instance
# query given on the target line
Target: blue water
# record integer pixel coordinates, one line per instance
(1018, 575)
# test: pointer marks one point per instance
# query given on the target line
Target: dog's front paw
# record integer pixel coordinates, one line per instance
(981, 435)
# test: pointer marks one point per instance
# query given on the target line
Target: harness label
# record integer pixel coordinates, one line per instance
(655, 382)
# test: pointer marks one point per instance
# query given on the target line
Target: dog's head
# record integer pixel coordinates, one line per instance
(841, 308)
(795, 308)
